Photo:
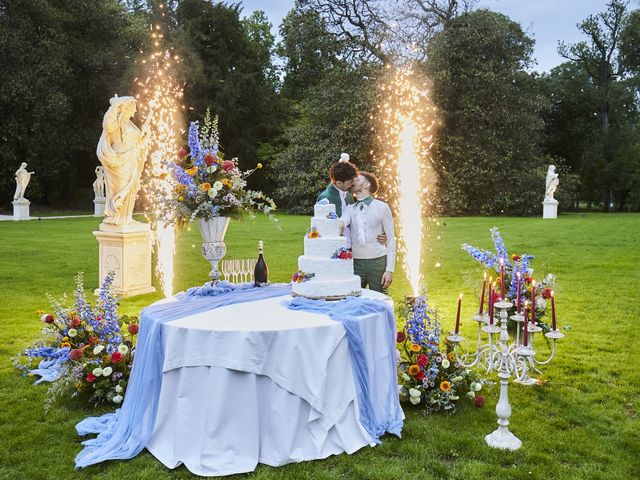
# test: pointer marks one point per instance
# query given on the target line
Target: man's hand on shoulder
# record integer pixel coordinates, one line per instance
(382, 239)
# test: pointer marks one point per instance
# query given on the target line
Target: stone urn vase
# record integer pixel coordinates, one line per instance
(213, 246)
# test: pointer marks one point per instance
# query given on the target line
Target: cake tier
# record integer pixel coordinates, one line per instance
(323, 210)
(326, 226)
(323, 247)
(326, 268)
(331, 289)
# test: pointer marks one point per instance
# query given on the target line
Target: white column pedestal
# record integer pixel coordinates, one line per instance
(126, 250)
(98, 207)
(21, 209)
(550, 208)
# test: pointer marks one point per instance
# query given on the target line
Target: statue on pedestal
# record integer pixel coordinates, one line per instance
(552, 183)
(98, 185)
(22, 180)
(122, 150)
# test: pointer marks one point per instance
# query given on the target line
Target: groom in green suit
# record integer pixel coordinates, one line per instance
(342, 174)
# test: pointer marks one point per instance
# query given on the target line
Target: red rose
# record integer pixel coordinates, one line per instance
(228, 165)
(133, 328)
(546, 293)
(48, 318)
(516, 258)
(99, 318)
(209, 159)
(527, 279)
(422, 360)
(420, 375)
(401, 337)
(116, 357)
(91, 377)
(479, 400)
(75, 354)
(182, 153)
(75, 323)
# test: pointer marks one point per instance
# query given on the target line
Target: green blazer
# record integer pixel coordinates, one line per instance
(331, 194)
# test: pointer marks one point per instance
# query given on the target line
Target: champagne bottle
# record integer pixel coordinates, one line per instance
(261, 271)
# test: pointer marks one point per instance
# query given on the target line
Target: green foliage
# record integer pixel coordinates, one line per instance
(487, 144)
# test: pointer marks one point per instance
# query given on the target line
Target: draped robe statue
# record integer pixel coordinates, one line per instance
(98, 185)
(122, 151)
(552, 183)
(22, 180)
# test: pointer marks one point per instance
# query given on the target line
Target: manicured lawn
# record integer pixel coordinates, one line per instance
(582, 423)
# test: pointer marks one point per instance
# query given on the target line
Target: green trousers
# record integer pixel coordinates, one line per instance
(370, 271)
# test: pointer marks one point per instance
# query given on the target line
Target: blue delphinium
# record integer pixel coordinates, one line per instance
(194, 144)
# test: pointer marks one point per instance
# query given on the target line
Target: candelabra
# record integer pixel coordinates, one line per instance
(517, 358)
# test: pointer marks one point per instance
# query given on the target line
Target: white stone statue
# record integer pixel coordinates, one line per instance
(552, 183)
(22, 180)
(122, 150)
(98, 185)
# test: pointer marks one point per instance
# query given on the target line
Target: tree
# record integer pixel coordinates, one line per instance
(488, 143)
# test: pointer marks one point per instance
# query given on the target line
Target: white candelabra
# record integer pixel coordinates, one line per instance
(516, 358)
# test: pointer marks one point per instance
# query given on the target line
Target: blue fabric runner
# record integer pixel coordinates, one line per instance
(123, 434)
(348, 312)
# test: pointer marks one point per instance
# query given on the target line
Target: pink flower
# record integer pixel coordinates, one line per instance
(422, 360)
(133, 328)
(209, 159)
(76, 322)
(479, 400)
(228, 165)
(91, 377)
(116, 357)
(48, 318)
(75, 354)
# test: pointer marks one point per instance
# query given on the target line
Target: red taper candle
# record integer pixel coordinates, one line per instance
(490, 300)
(484, 286)
(553, 311)
(502, 277)
(519, 308)
(533, 302)
(525, 335)
(458, 315)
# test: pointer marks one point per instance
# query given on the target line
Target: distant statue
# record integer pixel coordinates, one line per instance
(98, 185)
(552, 183)
(22, 180)
(122, 150)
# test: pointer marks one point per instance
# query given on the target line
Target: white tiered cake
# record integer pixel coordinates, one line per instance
(325, 271)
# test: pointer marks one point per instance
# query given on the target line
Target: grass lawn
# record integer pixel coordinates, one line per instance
(582, 423)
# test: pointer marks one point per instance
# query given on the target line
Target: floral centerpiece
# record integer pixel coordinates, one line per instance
(206, 184)
(428, 373)
(514, 264)
(85, 350)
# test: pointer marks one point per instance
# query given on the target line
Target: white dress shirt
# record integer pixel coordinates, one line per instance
(367, 220)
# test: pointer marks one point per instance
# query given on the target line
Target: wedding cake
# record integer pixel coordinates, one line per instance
(325, 271)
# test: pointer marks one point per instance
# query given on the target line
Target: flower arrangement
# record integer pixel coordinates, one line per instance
(332, 216)
(85, 350)
(343, 253)
(206, 184)
(514, 264)
(428, 373)
(300, 276)
(313, 233)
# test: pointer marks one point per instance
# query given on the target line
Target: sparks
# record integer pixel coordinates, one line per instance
(404, 121)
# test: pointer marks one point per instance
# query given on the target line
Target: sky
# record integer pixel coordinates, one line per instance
(547, 21)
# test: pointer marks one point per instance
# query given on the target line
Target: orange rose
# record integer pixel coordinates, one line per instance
(445, 386)
(413, 370)
(206, 186)
(415, 348)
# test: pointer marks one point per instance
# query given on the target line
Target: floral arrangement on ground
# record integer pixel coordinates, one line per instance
(85, 350)
(513, 265)
(206, 184)
(428, 373)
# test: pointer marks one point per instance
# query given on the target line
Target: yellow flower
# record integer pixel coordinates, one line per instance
(414, 369)
(226, 182)
(451, 356)
(415, 348)
(180, 187)
(180, 198)
(65, 344)
(65, 339)
(206, 186)
(259, 165)
(192, 171)
(445, 386)
(313, 234)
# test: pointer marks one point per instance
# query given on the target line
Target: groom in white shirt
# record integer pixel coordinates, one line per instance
(368, 218)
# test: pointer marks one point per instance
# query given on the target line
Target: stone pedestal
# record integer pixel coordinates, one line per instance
(98, 206)
(550, 208)
(126, 250)
(21, 209)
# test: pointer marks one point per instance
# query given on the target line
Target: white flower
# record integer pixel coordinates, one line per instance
(97, 349)
(97, 371)
(213, 192)
(89, 328)
(541, 304)
(400, 388)
(123, 349)
(414, 393)
(106, 371)
(72, 332)
(445, 363)
(406, 377)
(478, 387)
(457, 379)
(119, 389)
(117, 399)
(471, 394)
(212, 168)
(218, 185)
(414, 400)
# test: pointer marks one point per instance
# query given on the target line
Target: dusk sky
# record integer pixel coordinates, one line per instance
(547, 21)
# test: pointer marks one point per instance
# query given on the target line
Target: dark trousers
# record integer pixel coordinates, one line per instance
(370, 271)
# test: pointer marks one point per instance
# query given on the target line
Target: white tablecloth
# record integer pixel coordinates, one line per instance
(259, 383)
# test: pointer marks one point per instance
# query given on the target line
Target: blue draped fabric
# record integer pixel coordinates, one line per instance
(123, 434)
(349, 312)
